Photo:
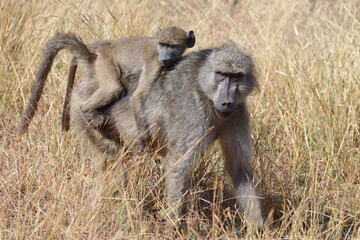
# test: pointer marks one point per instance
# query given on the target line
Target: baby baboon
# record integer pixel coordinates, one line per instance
(171, 44)
(107, 62)
(127, 56)
(189, 116)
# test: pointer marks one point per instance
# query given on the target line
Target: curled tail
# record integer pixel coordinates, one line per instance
(60, 41)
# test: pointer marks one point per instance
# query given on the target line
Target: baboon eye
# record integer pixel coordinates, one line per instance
(166, 45)
(220, 76)
(237, 76)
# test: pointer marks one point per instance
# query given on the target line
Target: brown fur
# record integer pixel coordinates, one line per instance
(172, 35)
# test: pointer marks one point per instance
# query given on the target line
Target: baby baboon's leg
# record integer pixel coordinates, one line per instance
(138, 100)
(107, 75)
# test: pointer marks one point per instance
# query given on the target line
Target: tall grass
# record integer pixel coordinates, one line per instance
(305, 122)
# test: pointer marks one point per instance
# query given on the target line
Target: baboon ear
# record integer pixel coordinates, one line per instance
(158, 30)
(190, 41)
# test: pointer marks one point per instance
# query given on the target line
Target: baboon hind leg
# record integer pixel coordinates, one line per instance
(111, 162)
(107, 74)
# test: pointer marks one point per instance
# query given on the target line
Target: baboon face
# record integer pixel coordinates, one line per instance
(172, 43)
(226, 97)
(169, 54)
(230, 80)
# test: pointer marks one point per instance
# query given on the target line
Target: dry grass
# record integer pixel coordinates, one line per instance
(305, 122)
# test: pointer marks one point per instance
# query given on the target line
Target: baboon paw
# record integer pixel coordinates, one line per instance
(83, 110)
(145, 148)
(142, 147)
(145, 143)
(97, 120)
(86, 114)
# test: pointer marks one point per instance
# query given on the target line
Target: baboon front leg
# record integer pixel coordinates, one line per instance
(176, 184)
(237, 153)
(110, 88)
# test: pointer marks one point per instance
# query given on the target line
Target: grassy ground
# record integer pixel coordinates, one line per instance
(305, 122)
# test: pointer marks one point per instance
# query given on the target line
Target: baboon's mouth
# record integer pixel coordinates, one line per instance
(223, 114)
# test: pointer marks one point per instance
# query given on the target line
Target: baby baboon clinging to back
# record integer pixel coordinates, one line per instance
(106, 62)
(133, 55)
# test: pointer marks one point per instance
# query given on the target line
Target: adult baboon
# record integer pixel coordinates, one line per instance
(201, 100)
(108, 62)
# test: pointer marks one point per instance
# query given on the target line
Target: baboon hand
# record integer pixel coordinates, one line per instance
(145, 142)
(94, 117)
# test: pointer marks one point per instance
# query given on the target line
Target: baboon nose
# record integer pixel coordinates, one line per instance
(227, 104)
(166, 63)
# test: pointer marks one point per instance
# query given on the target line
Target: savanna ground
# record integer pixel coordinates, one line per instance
(305, 122)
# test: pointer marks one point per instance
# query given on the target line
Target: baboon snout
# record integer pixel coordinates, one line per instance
(166, 62)
(225, 99)
(225, 107)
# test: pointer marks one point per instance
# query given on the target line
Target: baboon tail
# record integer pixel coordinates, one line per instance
(60, 41)
(65, 121)
(72, 43)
